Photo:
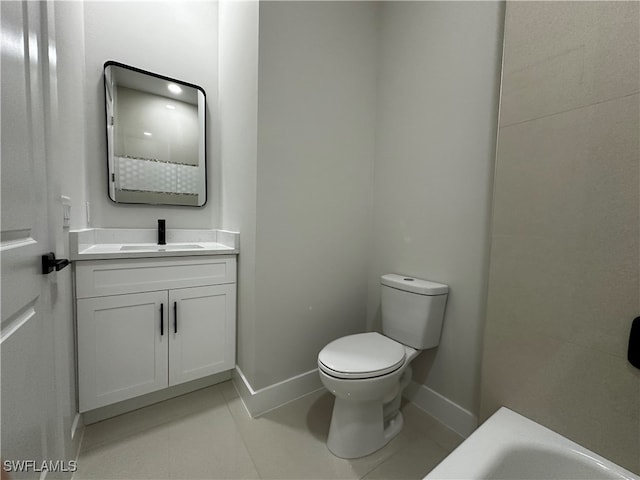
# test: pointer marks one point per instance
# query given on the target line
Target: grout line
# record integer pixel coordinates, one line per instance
(237, 425)
(567, 110)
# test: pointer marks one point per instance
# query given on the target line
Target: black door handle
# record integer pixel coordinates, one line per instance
(50, 263)
(161, 319)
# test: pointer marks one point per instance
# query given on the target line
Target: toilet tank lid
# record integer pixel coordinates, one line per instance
(414, 285)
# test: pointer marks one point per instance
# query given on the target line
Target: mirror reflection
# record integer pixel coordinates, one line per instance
(155, 138)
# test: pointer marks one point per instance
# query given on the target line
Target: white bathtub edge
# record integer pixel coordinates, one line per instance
(476, 456)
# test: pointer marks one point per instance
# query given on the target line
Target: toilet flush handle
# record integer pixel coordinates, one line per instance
(633, 354)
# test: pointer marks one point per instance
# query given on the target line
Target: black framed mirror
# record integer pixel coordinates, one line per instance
(156, 138)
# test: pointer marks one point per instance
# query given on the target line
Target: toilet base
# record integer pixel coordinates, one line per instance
(358, 429)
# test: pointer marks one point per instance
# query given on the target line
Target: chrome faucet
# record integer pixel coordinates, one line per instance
(162, 232)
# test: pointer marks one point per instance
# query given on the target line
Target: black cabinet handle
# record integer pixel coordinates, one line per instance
(175, 317)
(162, 232)
(161, 319)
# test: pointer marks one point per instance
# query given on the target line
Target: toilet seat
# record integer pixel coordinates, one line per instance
(363, 355)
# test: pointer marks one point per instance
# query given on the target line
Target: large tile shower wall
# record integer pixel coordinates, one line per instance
(564, 269)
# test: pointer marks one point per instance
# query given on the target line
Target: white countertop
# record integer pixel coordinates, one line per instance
(114, 243)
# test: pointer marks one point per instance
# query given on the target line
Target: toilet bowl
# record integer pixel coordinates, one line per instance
(367, 372)
(366, 412)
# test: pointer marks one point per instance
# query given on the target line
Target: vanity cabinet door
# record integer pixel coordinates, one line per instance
(202, 331)
(122, 347)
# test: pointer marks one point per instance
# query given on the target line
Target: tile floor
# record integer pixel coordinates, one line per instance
(208, 434)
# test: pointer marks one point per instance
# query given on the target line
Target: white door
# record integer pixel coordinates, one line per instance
(122, 347)
(29, 431)
(202, 332)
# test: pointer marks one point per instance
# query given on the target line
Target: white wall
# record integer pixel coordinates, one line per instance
(316, 114)
(69, 179)
(238, 105)
(175, 39)
(72, 86)
(438, 84)
(406, 90)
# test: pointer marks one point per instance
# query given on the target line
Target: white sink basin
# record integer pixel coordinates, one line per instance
(127, 243)
(160, 248)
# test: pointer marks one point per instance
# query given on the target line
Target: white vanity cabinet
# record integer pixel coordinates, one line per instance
(148, 324)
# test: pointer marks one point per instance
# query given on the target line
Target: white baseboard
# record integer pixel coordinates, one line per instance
(75, 425)
(442, 409)
(259, 402)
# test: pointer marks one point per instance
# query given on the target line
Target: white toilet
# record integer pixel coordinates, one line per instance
(368, 371)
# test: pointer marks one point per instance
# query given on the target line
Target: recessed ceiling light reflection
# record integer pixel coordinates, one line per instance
(173, 88)
(170, 107)
(148, 134)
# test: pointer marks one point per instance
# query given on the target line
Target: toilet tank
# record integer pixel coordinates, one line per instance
(413, 310)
